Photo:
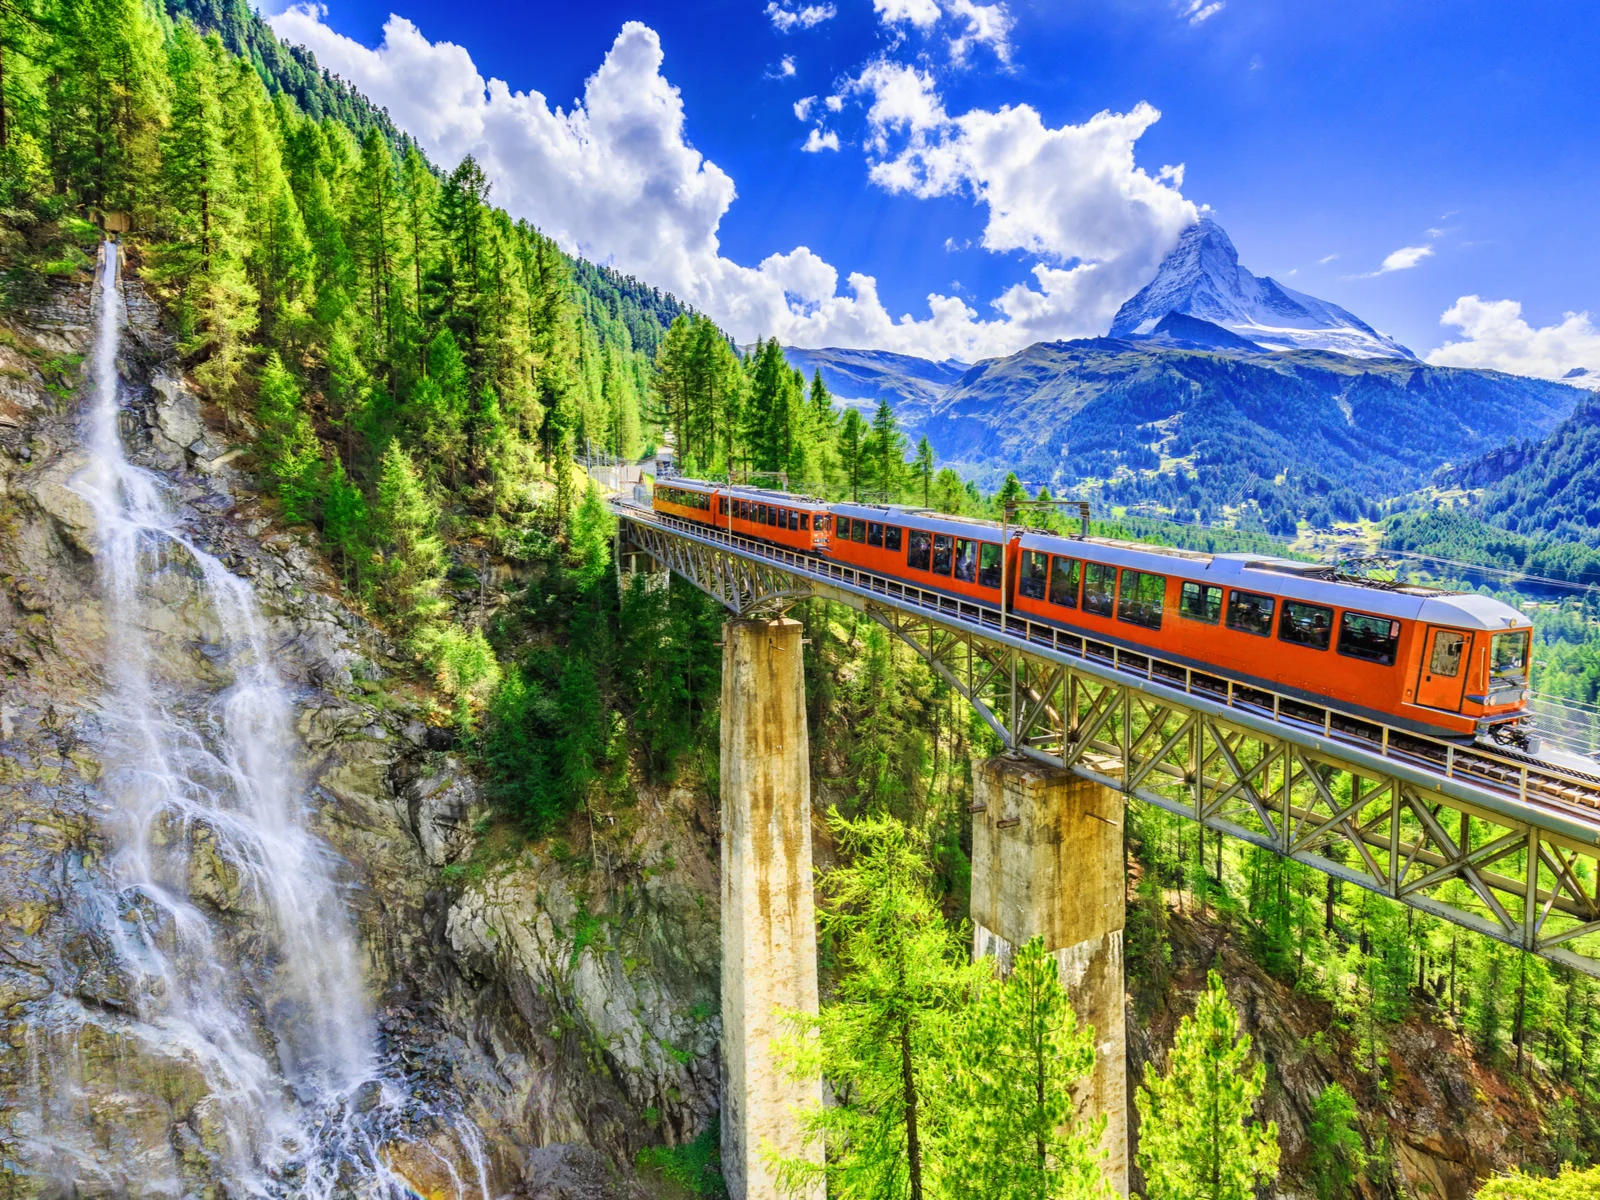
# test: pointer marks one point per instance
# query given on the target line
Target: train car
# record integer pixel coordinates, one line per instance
(777, 517)
(1419, 658)
(944, 553)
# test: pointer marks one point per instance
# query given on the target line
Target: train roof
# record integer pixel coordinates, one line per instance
(743, 491)
(899, 514)
(1295, 580)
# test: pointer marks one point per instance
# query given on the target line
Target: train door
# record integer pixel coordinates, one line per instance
(1443, 671)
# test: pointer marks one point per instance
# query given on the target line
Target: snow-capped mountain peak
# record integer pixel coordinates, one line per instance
(1202, 278)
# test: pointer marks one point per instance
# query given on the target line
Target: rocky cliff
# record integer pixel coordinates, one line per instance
(544, 1015)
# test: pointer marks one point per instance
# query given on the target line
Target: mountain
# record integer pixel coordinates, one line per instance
(1202, 278)
(861, 377)
(1555, 487)
(1584, 377)
(1166, 420)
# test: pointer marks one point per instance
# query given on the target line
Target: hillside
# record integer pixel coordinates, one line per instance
(860, 378)
(1554, 489)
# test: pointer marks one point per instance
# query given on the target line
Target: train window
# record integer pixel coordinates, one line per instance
(966, 560)
(989, 565)
(1065, 574)
(1141, 599)
(875, 534)
(1508, 657)
(1250, 613)
(1446, 657)
(1305, 624)
(941, 554)
(1035, 568)
(917, 554)
(794, 521)
(891, 538)
(805, 522)
(1372, 638)
(858, 530)
(1099, 588)
(1200, 602)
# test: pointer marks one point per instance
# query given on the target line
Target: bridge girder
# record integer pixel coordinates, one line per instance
(1431, 835)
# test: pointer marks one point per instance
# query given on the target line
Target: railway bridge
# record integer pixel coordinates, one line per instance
(1493, 841)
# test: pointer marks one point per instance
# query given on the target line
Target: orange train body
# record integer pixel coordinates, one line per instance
(1439, 662)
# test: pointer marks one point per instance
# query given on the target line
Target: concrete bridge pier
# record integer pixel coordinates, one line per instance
(769, 938)
(1047, 862)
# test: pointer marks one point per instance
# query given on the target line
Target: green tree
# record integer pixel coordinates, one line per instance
(1197, 1137)
(922, 468)
(411, 557)
(1569, 1185)
(1338, 1154)
(886, 448)
(1022, 1054)
(290, 452)
(884, 1042)
(853, 433)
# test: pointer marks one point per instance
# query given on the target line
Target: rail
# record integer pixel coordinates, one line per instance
(1542, 792)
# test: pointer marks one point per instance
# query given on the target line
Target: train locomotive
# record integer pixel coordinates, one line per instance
(1445, 664)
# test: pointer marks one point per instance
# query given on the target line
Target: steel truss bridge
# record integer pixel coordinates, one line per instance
(1491, 841)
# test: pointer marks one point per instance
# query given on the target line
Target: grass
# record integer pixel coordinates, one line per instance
(695, 1167)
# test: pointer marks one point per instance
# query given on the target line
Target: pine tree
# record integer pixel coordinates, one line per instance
(411, 558)
(922, 467)
(1197, 1137)
(886, 448)
(1338, 1154)
(853, 434)
(1015, 1119)
(344, 523)
(884, 1043)
(290, 453)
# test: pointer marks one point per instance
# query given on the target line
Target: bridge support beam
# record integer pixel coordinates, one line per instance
(1047, 861)
(769, 939)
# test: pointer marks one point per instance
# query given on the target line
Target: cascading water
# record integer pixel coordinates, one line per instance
(208, 813)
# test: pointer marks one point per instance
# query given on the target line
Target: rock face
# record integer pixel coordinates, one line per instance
(547, 1017)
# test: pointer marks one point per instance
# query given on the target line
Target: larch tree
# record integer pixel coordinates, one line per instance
(411, 557)
(884, 1041)
(1016, 1123)
(1198, 1139)
(922, 467)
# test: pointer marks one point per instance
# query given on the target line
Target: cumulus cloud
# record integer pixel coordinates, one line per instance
(1496, 335)
(802, 107)
(785, 67)
(819, 140)
(784, 19)
(984, 25)
(614, 176)
(924, 14)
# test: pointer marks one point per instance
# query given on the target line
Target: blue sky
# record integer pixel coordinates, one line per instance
(1454, 141)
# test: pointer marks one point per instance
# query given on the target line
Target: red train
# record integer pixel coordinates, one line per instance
(1433, 661)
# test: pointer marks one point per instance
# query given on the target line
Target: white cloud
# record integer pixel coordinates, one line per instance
(1496, 335)
(1197, 11)
(834, 103)
(924, 14)
(1403, 259)
(821, 141)
(802, 107)
(986, 25)
(811, 15)
(1326, 259)
(613, 176)
(785, 67)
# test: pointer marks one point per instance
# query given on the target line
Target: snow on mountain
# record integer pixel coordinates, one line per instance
(1584, 377)
(1202, 278)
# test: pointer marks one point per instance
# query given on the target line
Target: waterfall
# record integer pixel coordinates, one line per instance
(208, 812)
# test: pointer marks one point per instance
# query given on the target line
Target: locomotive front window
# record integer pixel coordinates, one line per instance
(1375, 639)
(941, 554)
(966, 560)
(1250, 613)
(875, 534)
(1508, 658)
(1035, 567)
(1099, 588)
(1446, 656)
(891, 538)
(917, 555)
(1306, 625)
(1065, 574)
(1141, 599)
(858, 531)
(1200, 602)
(988, 565)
